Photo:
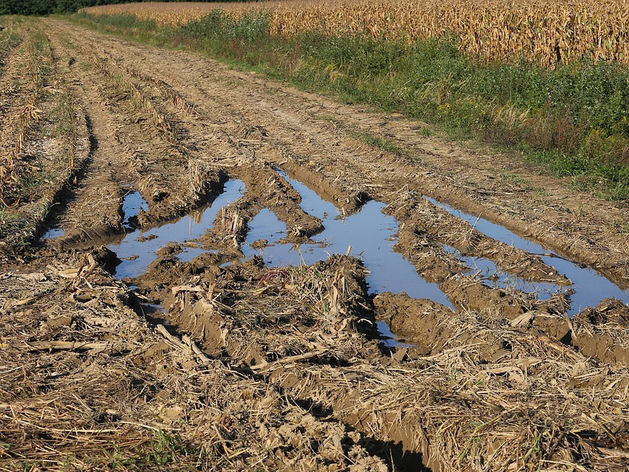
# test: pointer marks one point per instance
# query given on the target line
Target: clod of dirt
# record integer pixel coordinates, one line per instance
(144, 238)
(603, 332)
(202, 318)
(259, 244)
(106, 258)
(431, 327)
(170, 249)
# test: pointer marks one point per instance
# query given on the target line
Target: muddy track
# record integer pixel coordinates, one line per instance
(221, 220)
(189, 106)
(312, 127)
(264, 148)
(44, 139)
(91, 209)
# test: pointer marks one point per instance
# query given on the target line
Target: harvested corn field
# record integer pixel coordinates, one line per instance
(544, 32)
(203, 268)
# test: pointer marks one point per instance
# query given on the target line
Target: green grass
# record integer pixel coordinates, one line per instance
(11, 228)
(163, 449)
(572, 121)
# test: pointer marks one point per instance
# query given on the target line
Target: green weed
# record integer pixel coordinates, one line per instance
(376, 141)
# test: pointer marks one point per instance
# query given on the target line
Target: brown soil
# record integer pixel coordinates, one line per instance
(250, 367)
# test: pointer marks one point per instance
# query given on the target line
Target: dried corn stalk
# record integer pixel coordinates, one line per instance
(543, 32)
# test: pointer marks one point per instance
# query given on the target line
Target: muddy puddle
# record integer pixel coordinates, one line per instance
(131, 206)
(588, 287)
(138, 248)
(53, 233)
(493, 277)
(369, 235)
(388, 338)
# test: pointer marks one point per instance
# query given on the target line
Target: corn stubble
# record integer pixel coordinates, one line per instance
(538, 31)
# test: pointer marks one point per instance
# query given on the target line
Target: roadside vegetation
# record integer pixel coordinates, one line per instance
(572, 119)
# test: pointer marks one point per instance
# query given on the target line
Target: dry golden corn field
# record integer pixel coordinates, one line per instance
(544, 32)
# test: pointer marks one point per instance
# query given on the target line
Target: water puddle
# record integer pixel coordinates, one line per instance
(589, 287)
(138, 248)
(264, 227)
(53, 233)
(496, 278)
(388, 338)
(131, 206)
(368, 235)
(373, 242)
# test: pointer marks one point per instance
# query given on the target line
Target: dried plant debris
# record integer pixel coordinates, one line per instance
(87, 381)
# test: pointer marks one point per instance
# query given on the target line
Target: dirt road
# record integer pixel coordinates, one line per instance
(236, 274)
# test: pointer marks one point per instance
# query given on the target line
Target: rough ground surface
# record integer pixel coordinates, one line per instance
(250, 367)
